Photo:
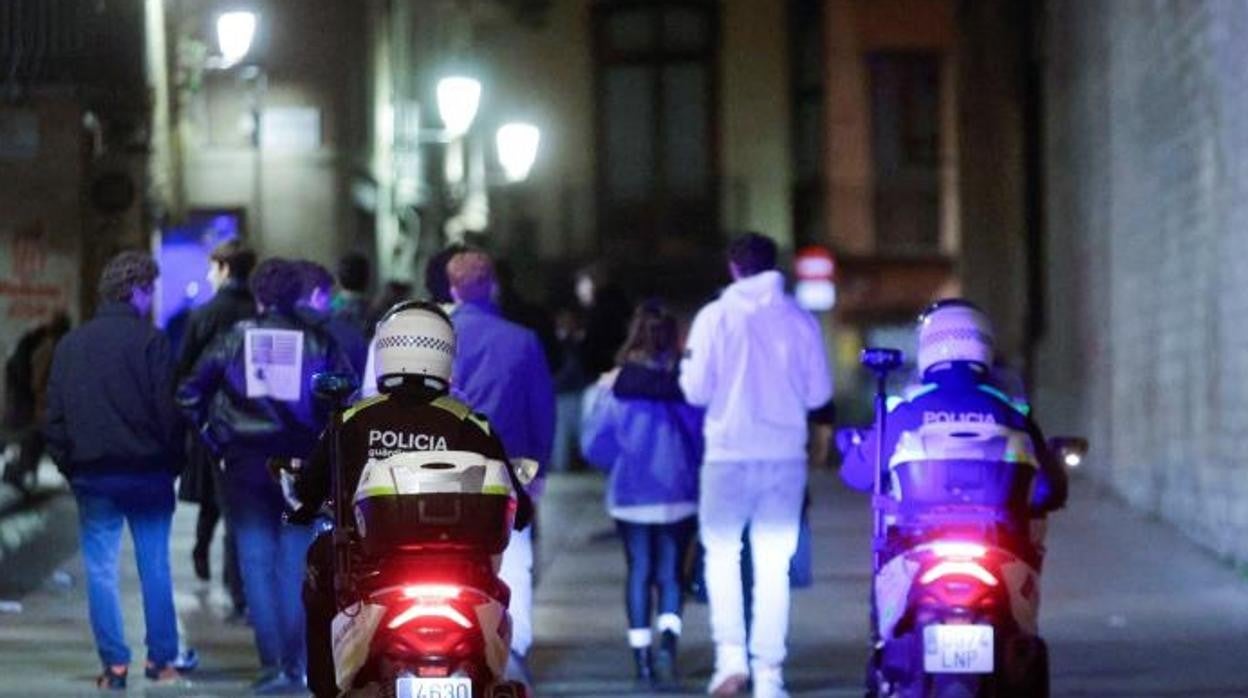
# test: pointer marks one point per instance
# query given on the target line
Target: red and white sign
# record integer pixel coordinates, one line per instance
(816, 275)
(815, 263)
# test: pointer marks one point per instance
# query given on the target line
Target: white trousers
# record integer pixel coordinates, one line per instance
(517, 571)
(766, 496)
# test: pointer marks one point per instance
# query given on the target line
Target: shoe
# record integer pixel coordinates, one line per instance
(644, 666)
(665, 660)
(270, 682)
(186, 662)
(202, 569)
(112, 679)
(279, 683)
(728, 683)
(769, 682)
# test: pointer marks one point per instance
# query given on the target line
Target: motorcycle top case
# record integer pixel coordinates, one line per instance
(967, 463)
(437, 501)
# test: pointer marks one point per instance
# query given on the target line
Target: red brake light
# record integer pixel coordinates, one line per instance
(958, 549)
(431, 601)
(431, 591)
(946, 568)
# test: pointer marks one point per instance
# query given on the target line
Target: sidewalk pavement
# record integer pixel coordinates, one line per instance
(1131, 608)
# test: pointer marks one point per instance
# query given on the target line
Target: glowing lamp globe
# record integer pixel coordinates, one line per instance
(517, 149)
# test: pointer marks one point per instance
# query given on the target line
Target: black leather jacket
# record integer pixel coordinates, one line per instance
(231, 303)
(252, 414)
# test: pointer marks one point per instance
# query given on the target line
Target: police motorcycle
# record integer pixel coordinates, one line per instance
(955, 589)
(422, 612)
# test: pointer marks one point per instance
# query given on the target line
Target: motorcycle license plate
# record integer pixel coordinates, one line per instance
(412, 687)
(957, 649)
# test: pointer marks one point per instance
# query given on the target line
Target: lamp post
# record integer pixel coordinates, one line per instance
(458, 102)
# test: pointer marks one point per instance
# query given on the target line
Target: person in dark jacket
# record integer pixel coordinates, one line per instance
(314, 306)
(229, 265)
(639, 427)
(113, 430)
(251, 395)
(350, 304)
(26, 390)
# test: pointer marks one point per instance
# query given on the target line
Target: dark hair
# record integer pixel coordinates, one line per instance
(313, 276)
(125, 272)
(238, 258)
(277, 283)
(353, 272)
(652, 336)
(752, 253)
(437, 283)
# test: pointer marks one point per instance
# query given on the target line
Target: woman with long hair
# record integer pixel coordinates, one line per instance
(638, 426)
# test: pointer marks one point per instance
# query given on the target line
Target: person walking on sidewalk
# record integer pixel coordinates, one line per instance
(501, 372)
(113, 430)
(639, 427)
(756, 361)
(229, 266)
(251, 394)
(314, 307)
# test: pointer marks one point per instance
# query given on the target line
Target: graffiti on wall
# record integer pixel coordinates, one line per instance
(35, 281)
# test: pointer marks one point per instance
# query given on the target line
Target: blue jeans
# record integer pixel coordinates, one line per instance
(271, 558)
(105, 504)
(567, 431)
(654, 553)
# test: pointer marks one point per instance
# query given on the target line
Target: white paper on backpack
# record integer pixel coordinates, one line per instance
(274, 363)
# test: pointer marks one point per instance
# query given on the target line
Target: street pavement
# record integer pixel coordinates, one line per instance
(1131, 608)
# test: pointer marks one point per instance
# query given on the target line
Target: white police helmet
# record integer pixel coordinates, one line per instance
(954, 330)
(414, 338)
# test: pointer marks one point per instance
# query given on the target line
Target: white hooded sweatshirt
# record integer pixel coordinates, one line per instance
(756, 361)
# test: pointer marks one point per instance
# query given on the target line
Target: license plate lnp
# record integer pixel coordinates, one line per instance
(412, 687)
(957, 649)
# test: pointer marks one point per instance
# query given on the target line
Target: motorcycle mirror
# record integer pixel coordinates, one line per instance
(334, 387)
(525, 469)
(881, 359)
(1070, 450)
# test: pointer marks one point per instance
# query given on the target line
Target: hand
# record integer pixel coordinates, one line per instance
(607, 380)
(302, 516)
(849, 438)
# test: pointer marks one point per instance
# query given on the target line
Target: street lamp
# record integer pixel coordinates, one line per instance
(458, 99)
(517, 149)
(235, 31)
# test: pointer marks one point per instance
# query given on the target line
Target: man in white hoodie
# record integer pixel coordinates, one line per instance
(756, 361)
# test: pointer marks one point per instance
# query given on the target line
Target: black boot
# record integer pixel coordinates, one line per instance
(645, 665)
(665, 661)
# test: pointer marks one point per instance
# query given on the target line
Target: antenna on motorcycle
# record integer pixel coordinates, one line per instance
(336, 389)
(880, 361)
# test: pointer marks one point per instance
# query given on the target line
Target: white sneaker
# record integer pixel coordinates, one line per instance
(732, 673)
(769, 682)
(729, 682)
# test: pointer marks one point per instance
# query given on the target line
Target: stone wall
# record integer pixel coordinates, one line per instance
(1147, 215)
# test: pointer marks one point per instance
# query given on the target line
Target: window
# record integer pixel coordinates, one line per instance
(905, 149)
(656, 125)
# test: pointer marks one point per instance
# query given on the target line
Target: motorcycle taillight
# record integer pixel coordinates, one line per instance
(962, 568)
